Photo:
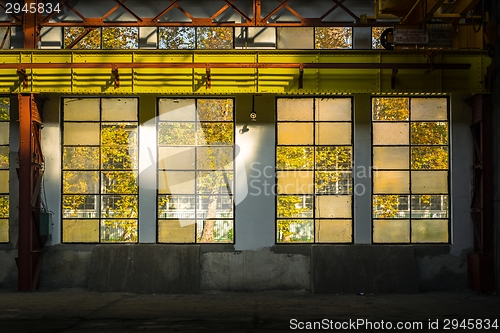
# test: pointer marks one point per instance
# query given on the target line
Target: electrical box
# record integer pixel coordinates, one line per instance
(44, 224)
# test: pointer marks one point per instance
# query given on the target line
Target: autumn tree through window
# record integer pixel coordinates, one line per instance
(4, 168)
(410, 163)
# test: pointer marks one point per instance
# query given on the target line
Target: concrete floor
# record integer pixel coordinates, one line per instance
(76, 310)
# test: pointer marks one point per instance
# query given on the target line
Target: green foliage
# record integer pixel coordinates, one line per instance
(333, 38)
(391, 109)
(4, 206)
(4, 109)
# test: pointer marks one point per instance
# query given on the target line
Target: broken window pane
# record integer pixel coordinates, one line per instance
(176, 133)
(91, 41)
(120, 38)
(334, 158)
(296, 206)
(289, 158)
(214, 37)
(429, 158)
(390, 109)
(176, 38)
(430, 133)
(295, 231)
(80, 182)
(334, 231)
(119, 231)
(333, 37)
(215, 109)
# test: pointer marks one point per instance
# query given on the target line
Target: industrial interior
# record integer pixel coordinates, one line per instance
(186, 146)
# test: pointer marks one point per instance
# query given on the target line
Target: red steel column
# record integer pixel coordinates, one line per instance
(30, 27)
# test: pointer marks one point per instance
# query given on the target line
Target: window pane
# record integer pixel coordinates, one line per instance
(429, 231)
(391, 157)
(4, 108)
(119, 158)
(429, 206)
(334, 231)
(81, 134)
(215, 109)
(80, 182)
(80, 206)
(295, 109)
(214, 231)
(391, 206)
(91, 41)
(215, 134)
(333, 133)
(295, 133)
(81, 109)
(295, 206)
(119, 109)
(4, 157)
(176, 133)
(391, 182)
(295, 38)
(176, 206)
(214, 38)
(119, 182)
(81, 158)
(4, 230)
(333, 38)
(391, 231)
(333, 182)
(80, 231)
(390, 109)
(119, 231)
(176, 158)
(215, 182)
(119, 134)
(289, 158)
(173, 109)
(429, 109)
(390, 134)
(334, 206)
(176, 231)
(435, 133)
(176, 182)
(295, 182)
(429, 182)
(4, 181)
(120, 38)
(4, 133)
(429, 158)
(119, 206)
(176, 37)
(334, 158)
(295, 231)
(214, 207)
(214, 158)
(333, 109)
(4, 206)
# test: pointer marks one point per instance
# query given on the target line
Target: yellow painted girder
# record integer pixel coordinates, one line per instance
(193, 81)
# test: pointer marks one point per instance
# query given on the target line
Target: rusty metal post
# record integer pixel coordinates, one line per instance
(30, 173)
(30, 27)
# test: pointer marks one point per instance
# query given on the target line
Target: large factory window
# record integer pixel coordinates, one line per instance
(195, 170)
(410, 163)
(100, 170)
(314, 170)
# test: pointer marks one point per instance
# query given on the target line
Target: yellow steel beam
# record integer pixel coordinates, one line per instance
(239, 71)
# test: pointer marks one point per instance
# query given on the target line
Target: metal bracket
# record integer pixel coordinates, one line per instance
(21, 72)
(115, 77)
(209, 78)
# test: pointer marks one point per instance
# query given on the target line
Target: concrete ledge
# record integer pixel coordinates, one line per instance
(363, 268)
(142, 268)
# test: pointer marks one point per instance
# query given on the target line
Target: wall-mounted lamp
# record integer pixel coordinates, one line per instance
(244, 129)
(253, 116)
